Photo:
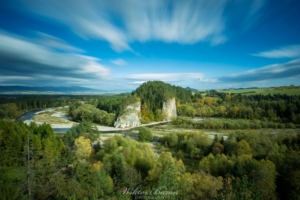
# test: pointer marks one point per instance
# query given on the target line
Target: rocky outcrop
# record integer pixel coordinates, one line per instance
(169, 109)
(130, 117)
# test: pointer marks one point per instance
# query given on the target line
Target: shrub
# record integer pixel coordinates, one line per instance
(145, 134)
(290, 125)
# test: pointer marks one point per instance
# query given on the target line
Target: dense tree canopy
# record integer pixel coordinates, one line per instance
(276, 108)
(37, 164)
(145, 134)
(89, 112)
(154, 93)
(246, 163)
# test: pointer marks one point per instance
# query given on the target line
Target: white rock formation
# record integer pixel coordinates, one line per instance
(130, 118)
(169, 109)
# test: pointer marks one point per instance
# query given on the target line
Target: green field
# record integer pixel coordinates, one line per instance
(263, 91)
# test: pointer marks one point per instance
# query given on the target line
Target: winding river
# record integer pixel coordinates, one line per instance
(62, 128)
(27, 116)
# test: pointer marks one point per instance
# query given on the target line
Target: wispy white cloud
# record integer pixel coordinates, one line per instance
(284, 52)
(119, 62)
(4, 78)
(253, 15)
(183, 79)
(207, 80)
(23, 58)
(123, 22)
(138, 82)
(56, 43)
(185, 22)
(167, 77)
(276, 71)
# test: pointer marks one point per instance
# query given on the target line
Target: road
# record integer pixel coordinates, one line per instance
(106, 129)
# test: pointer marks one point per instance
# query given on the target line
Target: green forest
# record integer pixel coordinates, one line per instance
(257, 156)
(36, 163)
(12, 107)
(153, 94)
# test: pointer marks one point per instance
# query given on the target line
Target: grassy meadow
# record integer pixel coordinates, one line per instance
(263, 91)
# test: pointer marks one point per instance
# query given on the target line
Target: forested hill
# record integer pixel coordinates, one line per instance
(154, 93)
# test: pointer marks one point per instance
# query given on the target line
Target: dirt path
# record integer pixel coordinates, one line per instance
(99, 127)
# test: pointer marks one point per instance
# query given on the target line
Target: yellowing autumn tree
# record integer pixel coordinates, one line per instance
(206, 186)
(97, 166)
(83, 147)
(243, 147)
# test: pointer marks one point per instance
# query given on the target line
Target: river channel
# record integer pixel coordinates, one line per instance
(62, 128)
(27, 116)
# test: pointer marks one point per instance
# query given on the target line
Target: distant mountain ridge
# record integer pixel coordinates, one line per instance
(191, 89)
(46, 88)
(241, 88)
(71, 89)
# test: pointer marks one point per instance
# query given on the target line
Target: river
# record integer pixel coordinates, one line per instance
(27, 116)
(62, 128)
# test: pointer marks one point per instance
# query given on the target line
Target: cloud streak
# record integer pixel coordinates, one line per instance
(55, 43)
(26, 61)
(284, 52)
(276, 71)
(123, 22)
(167, 77)
(119, 62)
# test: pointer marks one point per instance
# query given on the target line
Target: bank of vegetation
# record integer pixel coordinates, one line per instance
(13, 106)
(289, 90)
(88, 112)
(250, 164)
(229, 124)
(153, 94)
(37, 164)
(275, 108)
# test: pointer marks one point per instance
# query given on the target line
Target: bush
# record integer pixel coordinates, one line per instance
(281, 125)
(145, 134)
(290, 125)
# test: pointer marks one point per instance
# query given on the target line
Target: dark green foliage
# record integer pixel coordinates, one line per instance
(104, 186)
(84, 128)
(12, 106)
(217, 148)
(145, 134)
(288, 166)
(110, 104)
(25, 103)
(35, 164)
(89, 112)
(230, 124)
(186, 110)
(9, 111)
(262, 145)
(27, 158)
(245, 189)
(268, 108)
(127, 100)
(167, 179)
(170, 140)
(155, 93)
(116, 103)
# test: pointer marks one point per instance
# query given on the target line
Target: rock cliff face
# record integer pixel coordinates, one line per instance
(169, 108)
(130, 118)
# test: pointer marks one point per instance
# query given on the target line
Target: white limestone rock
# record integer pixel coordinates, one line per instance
(169, 109)
(130, 118)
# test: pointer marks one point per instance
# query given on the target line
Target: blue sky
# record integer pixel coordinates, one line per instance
(204, 44)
